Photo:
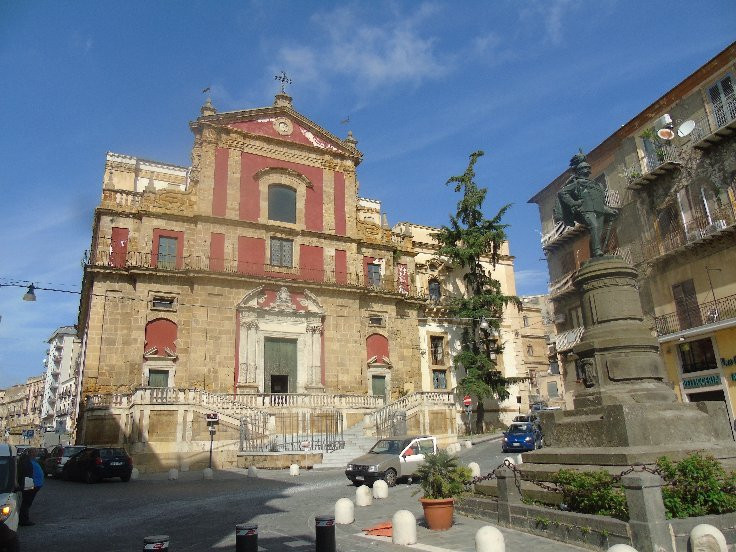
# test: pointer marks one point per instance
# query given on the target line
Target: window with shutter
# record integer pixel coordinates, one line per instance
(723, 100)
(282, 252)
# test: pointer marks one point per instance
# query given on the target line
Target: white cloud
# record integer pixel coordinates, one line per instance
(552, 14)
(534, 279)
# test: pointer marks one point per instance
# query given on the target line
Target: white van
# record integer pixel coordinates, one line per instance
(10, 497)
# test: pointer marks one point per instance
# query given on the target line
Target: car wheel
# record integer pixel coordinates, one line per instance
(125, 478)
(390, 477)
(90, 477)
(13, 546)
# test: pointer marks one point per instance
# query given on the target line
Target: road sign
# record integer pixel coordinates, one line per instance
(468, 408)
(212, 418)
(28, 433)
(467, 401)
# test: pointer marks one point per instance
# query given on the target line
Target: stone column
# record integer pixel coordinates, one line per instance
(508, 494)
(650, 531)
(314, 383)
(247, 378)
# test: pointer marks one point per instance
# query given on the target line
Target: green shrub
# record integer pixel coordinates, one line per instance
(697, 486)
(592, 493)
(442, 477)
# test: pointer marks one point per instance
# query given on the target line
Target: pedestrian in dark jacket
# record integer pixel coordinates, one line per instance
(29, 467)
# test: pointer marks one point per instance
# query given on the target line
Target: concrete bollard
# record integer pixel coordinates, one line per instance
(135, 474)
(344, 511)
(510, 459)
(468, 443)
(363, 496)
(489, 539)
(207, 474)
(707, 538)
(184, 466)
(380, 489)
(173, 474)
(621, 548)
(474, 469)
(246, 537)
(294, 469)
(404, 526)
(156, 542)
(252, 471)
(519, 459)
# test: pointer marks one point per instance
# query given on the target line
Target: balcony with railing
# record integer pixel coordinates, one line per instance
(137, 260)
(695, 315)
(710, 130)
(663, 158)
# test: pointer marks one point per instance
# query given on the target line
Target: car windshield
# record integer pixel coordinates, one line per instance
(520, 428)
(387, 446)
(6, 479)
(71, 451)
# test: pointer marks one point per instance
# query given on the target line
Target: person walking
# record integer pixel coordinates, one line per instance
(30, 468)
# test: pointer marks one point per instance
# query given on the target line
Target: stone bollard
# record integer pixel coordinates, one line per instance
(468, 443)
(510, 459)
(404, 526)
(707, 538)
(621, 548)
(474, 469)
(294, 469)
(649, 527)
(173, 474)
(156, 542)
(135, 474)
(489, 539)
(252, 471)
(184, 466)
(363, 496)
(380, 489)
(508, 494)
(207, 474)
(344, 511)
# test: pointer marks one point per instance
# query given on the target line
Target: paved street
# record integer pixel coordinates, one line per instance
(201, 515)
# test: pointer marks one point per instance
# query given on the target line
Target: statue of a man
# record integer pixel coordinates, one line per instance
(584, 200)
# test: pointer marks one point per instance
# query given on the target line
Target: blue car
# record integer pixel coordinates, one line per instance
(522, 437)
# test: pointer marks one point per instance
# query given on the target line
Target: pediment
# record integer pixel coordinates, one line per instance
(281, 300)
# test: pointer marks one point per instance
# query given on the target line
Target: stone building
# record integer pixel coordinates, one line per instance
(255, 284)
(20, 410)
(58, 412)
(671, 171)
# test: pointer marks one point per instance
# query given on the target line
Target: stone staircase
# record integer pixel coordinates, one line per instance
(356, 444)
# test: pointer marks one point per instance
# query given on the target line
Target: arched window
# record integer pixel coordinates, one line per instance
(161, 336)
(282, 203)
(376, 345)
(435, 292)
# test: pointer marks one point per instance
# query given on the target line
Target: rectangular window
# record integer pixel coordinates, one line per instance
(163, 303)
(437, 348)
(158, 378)
(167, 248)
(375, 320)
(697, 356)
(554, 367)
(118, 247)
(439, 379)
(374, 274)
(552, 390)
(282, 252)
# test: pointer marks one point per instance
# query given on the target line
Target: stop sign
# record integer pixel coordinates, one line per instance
(467, 401)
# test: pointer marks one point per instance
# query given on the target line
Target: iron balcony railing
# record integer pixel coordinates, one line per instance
(696, 314)
(724, 113)
(144, 260)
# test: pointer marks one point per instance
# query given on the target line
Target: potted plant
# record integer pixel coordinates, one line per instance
(441, 480)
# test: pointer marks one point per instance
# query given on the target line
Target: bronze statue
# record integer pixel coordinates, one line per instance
(583, 200)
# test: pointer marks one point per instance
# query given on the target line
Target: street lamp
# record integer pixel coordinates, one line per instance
(30, 295)
(484, 324)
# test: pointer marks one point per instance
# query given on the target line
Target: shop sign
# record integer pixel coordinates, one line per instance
(728, 361)
(702, 381)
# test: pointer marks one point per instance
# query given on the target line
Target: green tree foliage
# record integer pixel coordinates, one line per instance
(697, 486)
(442, 477)
(592, 493)
(468, 242)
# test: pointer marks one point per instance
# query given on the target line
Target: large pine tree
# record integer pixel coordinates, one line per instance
(472, 242)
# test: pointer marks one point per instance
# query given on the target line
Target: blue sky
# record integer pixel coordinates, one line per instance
(423, 83)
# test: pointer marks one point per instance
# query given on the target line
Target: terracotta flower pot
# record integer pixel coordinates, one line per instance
(438, 512)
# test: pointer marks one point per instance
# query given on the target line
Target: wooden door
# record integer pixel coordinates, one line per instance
(686, 305)
(279, 360)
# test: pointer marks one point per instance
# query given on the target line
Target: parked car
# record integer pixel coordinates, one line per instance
(11, 487)
(54, 462)
(40, 452)
(522, 437)
(532, 418)
(93, 464)
(390, 459)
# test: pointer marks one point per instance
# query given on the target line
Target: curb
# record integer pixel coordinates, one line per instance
(486, 438)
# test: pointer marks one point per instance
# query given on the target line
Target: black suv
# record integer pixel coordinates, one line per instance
(93, 464)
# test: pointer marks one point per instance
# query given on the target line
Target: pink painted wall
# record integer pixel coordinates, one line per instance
(219, 192)
(160, 333)
(251, 255)
(339, 204)
(341, 266)
(157, 233)
(312, 263)
(250, 194)
(118, 247)
(270, 297)
(265, 128)
(376, 345)
(217, 251)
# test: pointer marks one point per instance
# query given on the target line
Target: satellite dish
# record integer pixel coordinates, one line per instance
(686, 128)
(663, 122)
(665, 133)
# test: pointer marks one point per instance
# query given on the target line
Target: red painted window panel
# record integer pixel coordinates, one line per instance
(217, 252)
(340, 204)
(157, 244)
(312, 263)
(376, 345)
(161, 335)
(251, 255)
(341, 266)
(118, 247)
(402, 277)
(219, 192)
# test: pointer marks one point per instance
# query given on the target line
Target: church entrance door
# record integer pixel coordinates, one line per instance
(279, 364)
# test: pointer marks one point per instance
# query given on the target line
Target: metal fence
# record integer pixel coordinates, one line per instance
(697, 314)
(291, 431)
(391, 423)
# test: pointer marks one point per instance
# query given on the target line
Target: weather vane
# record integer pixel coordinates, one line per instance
(284, 80)
(345, 121)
